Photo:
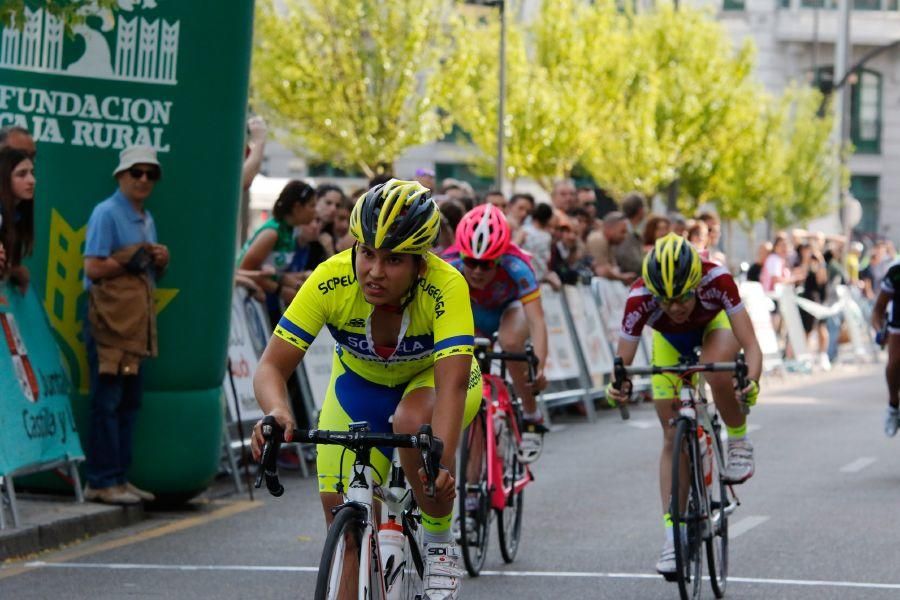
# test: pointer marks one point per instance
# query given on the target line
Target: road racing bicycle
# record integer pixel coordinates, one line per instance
(701, 500)
(491, 477)
(387, 554)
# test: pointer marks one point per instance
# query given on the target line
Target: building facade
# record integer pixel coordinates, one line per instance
(796, 43)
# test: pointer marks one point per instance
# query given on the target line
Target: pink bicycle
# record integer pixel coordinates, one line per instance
(491, 477)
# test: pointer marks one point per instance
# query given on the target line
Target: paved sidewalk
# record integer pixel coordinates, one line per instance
(50, 521)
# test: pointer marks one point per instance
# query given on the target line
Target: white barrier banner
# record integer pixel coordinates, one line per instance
(759, 307)
(857, 327)
(611, 297)
(818, 311)
(317, 364)
(246, 341)
(787, 306)
(589, 331)
(561, 360)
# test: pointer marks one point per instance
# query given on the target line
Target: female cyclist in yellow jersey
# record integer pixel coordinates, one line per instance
(403, 326)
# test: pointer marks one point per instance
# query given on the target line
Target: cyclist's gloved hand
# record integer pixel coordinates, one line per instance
(614, 396)
(444, 484)
(285, 420)
(751, 392)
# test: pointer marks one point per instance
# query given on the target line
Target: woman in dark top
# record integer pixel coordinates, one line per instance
(17, 212)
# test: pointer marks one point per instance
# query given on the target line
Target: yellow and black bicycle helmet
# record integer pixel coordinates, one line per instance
(672, 268)
(397, 215)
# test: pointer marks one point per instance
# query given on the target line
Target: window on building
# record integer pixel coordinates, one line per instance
(865, 189)
(865, 106)
(733, 5)
(865, 110)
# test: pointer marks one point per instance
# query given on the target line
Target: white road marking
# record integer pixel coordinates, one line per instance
(858, 465)
(744, 525)
(642, 423)
(547, 574)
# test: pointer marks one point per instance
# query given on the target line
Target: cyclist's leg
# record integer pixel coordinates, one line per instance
(720, 345)
(514, 333)
(666, 391)
(892, 370)
(442, 572)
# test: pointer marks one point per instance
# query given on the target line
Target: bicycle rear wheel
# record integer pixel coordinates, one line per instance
(686, 521)
(342, 543)
(474, 521)
(509, 521)
(717, 541)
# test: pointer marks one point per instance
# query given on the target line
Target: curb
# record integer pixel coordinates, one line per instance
(71, 522)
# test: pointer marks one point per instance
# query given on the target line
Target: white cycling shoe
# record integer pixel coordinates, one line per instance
(740, 461)
(442, 571)
(532, 443)
(891, 421)
(665, 566)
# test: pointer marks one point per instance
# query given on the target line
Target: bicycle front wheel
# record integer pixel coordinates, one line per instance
(687, 517)
(340, 556)
(474, 499)
(509, 522)
(717, 541)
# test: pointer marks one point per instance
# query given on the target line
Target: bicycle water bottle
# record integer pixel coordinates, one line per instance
(706, 450)
(390, 544)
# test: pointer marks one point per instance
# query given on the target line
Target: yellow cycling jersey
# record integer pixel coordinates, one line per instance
(437, 323)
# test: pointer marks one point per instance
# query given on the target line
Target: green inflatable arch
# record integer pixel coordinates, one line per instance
(174, 75)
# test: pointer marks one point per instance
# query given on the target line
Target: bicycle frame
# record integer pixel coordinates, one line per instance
(498, 399)
(694, 407)
(359, 495)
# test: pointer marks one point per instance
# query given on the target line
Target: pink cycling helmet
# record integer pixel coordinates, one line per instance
(483, 233)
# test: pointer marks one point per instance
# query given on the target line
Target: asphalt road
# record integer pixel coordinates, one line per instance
(819, 519)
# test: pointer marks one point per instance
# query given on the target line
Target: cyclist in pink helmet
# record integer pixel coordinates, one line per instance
(506, 298)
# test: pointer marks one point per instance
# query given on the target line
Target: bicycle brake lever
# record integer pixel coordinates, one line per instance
(268, 468)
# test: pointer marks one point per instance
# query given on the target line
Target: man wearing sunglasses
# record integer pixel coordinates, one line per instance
(122, 261)
(690, 303)
(505, 299)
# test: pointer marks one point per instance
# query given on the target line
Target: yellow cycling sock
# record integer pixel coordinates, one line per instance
(737, 433)
(437, 529)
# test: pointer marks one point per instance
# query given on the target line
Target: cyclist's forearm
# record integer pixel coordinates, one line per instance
(270, 388)
(754, 357)
(539, 341)
(626, 349)
(451, 379)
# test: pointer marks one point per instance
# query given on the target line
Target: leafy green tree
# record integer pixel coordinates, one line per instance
(552, 68)
(67, 11)
(683, 75)
(351, 83)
